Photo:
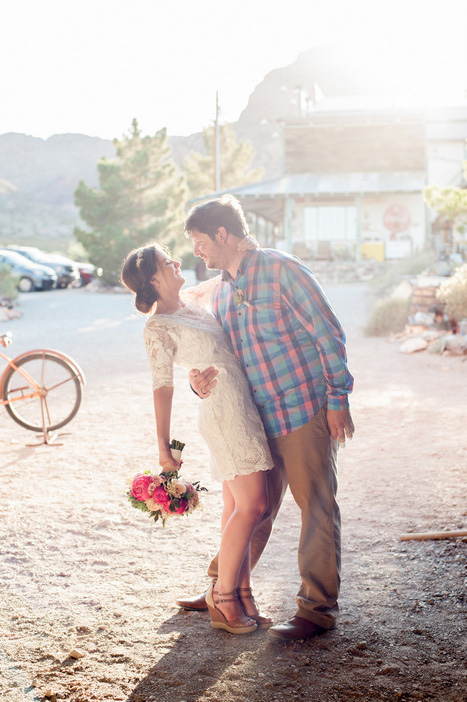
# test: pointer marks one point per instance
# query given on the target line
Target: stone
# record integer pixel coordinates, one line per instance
(416, 343)
(76, 653)
(13, 314)
(455, 341)
(437, 345)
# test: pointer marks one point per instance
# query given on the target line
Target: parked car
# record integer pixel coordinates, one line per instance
(87, 272)
(32, 276)
(65, 268)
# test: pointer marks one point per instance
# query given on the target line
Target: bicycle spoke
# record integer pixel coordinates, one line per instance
(59, 386)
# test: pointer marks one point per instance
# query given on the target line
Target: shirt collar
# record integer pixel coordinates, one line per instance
(242, 268)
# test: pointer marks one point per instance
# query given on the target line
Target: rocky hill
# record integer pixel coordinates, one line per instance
(38, 177)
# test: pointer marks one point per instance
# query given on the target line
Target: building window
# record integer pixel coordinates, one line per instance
(336, 224)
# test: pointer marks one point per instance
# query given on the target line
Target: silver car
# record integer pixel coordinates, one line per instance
(32, 276)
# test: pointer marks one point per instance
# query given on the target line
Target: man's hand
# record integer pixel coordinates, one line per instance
(340, 425)
(203, 383)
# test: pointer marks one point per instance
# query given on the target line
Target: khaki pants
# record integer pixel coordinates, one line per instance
(306, 460)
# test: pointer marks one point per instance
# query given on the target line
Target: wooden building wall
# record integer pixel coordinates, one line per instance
(333, 147)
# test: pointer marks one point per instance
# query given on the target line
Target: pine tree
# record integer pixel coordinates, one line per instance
(140, 199)
(236, 156)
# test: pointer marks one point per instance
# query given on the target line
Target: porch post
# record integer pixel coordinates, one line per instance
(288, 223)
(358, 240)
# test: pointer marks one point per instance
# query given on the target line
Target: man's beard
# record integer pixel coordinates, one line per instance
(213, 264)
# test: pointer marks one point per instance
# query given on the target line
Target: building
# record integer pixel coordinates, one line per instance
(354, 170)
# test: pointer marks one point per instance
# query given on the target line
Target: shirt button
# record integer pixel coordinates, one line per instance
(247, 365)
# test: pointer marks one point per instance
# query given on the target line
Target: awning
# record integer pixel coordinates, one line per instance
(266, 198)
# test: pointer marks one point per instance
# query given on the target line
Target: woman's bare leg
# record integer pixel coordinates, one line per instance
(247, 494)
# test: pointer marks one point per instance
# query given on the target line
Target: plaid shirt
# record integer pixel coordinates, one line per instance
(287, 338)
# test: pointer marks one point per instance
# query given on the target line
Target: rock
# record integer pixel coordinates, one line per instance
(454, 341)
(437, 345)
(362, 645)
(388, 669)
(416, 343)
(430, 335)
(76, 653)
(403, 291)
(13, 314)
(423, 318)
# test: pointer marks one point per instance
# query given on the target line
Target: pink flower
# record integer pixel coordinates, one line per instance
(160, 496)
(181, 507)
(194, 500)
(139, 488)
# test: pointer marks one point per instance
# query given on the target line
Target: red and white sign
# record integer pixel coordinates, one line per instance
(397, 219)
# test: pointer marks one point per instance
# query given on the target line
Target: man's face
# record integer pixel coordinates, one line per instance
(211, 251)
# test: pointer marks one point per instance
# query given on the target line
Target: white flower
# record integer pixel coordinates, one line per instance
(152, 506)
(175, 487)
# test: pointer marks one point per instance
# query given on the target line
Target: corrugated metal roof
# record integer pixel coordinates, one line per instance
(300, 184)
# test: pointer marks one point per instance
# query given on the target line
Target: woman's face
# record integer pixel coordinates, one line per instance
(168, 278)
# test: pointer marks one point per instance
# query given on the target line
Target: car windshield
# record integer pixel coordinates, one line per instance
(35, 254)
(15, 258)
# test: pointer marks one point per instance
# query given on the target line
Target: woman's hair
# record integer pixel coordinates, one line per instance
(137, 271)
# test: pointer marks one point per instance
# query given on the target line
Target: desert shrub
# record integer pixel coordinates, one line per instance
(388, 315)
(454, 294)
(401, 268)
(8, 283)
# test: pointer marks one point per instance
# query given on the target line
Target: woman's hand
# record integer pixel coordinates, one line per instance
(166, 459)
(247, 243)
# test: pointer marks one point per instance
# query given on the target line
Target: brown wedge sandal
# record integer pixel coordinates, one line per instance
(218, 619)
(261, 622)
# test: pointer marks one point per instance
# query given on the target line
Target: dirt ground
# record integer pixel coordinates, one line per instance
(80, 569)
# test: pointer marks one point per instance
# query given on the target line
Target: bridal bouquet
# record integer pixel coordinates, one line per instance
(166, 494)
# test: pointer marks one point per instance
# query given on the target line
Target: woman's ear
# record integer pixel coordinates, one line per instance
(155, 281)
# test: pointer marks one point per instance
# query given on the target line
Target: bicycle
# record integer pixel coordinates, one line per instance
(41, 389)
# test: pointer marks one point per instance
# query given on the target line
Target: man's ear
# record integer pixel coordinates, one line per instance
(221, 235)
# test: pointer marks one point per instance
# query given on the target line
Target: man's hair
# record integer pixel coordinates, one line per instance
(225, 211)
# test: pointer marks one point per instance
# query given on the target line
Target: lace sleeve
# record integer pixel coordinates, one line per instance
(202, 293)
(160, 348)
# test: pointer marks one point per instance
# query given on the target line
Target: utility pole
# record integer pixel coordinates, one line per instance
(217, 150)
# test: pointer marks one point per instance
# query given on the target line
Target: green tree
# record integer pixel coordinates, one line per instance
(236, 157)
(140, 199)
(449, 202)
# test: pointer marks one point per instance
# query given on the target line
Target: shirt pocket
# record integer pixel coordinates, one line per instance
(266, 317)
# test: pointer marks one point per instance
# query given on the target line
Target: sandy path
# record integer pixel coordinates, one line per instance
(80, 569)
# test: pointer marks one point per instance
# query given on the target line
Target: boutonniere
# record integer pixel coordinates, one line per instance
(239, 298)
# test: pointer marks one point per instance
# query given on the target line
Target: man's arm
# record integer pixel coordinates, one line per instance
(203, 382)
(302, 293)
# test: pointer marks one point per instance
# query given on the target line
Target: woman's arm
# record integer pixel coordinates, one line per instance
(202, 293)
(163, 410)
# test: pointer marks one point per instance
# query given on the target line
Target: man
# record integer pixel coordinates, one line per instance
(292, 349)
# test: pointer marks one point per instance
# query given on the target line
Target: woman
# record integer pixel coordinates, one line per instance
(185, 333)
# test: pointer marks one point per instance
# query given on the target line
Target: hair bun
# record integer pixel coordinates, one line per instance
(145, 299)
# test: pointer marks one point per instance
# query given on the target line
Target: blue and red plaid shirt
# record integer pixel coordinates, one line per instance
(286, 337)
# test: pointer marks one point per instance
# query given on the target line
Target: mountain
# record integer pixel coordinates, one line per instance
(38, 177)
(37, 181)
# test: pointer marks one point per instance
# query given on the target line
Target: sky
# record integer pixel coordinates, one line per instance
(91, 66)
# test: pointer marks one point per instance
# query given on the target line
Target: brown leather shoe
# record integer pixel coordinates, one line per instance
(295, 629)
(195, 604)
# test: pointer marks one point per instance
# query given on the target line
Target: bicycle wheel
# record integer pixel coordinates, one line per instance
(60, 389)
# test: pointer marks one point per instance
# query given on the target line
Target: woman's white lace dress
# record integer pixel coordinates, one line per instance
(228, 419)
